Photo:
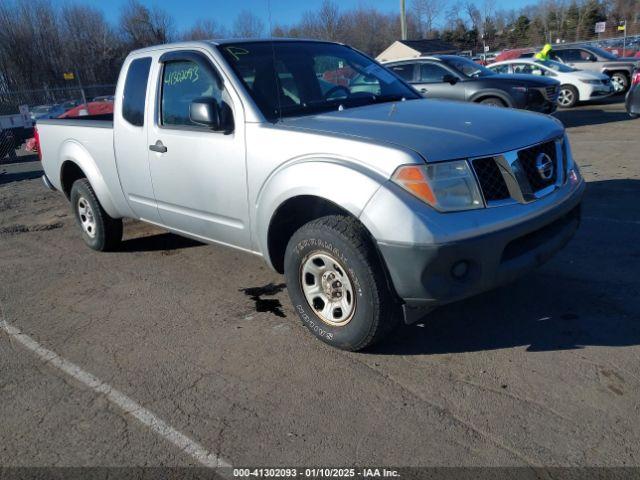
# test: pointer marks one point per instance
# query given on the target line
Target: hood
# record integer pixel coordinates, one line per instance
(435, 129)
(524, 79)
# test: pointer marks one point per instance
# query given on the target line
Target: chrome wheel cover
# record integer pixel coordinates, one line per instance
(565, 97)
(327, 288)
(87, 219)
(618, 83)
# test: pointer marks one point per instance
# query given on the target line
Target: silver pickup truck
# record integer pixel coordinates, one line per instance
(376, 204)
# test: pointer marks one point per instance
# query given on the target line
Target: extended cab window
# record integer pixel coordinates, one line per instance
(135, 91)
(183, 82)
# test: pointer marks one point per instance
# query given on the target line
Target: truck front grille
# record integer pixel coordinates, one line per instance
(491, 181)
(528, 158)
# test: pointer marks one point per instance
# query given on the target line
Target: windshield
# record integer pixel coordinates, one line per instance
(467, 67)
(557, 66)
(297, 78)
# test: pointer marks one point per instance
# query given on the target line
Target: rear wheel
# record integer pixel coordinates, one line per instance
(568, 96)
(492, 102)
(99, 230)
(338, 285)
(620, 82)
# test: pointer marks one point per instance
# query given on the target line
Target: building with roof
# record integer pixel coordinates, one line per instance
(415, 48)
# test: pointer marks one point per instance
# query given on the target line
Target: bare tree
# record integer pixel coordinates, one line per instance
(427, 12)
(143, 26)
(247, 25)
(323, 23)
(204, 30)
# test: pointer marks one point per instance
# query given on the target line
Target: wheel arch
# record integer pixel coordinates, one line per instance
(309, 188)
(484, 94)
(296, 212)
(77, 163)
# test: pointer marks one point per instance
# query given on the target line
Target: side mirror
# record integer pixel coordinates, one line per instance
(209, 112)
(448, 78)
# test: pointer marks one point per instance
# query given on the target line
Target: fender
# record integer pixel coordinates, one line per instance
(73, 151)
(346, 183)
(493, 92)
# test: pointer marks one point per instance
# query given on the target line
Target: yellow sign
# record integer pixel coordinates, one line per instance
(621, 27)
(68, 75)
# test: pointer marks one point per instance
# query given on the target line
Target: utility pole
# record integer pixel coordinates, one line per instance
(403, 21)
(84, 98)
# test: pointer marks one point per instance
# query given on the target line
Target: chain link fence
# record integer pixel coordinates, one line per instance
(19, 110)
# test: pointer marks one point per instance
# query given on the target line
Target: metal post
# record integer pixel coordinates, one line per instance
(403, 21)
(624, 41)
(84, 98)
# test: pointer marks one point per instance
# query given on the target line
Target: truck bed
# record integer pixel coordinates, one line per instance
(88, 142)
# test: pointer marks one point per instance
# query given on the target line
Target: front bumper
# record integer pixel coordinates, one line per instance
(423, 275)
(601, 92)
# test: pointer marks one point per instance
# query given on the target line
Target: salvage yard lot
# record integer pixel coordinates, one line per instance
(540, 372)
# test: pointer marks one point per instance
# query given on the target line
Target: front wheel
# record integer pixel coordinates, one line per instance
(568, 96)
(492, 102)
(99, 231)
(620, 82)
(338, 285)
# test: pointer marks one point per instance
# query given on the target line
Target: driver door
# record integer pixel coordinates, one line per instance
(198, 175)
(430, 82)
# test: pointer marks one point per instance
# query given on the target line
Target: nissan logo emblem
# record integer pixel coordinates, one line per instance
(544, 165)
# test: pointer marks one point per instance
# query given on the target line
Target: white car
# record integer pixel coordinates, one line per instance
(575, 85)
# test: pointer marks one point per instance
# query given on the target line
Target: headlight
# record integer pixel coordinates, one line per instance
(446, 186)
(592, 82)
(572, 170)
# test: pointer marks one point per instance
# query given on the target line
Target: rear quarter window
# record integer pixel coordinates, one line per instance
(135, 91)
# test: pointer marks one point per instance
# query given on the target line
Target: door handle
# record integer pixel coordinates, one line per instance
(423, 90)
(158, 147)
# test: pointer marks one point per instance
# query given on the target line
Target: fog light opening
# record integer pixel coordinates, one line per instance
(460, 269)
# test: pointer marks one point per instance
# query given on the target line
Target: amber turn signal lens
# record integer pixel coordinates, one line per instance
(413, 179)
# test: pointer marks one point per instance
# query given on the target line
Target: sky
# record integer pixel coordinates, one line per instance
(283, 12)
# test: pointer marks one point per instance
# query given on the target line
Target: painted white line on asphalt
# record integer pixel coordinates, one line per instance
(129, 406)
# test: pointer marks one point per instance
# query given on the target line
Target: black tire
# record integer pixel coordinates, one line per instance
(104, 233)
(622, 79)
(492, 102)
(571, 94)
(375, 309)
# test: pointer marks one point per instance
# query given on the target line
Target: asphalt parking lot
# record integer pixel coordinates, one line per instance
(540, 372)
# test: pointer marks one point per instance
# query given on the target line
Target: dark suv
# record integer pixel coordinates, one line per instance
(459, 78)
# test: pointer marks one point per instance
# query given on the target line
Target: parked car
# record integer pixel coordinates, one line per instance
(69, 104)
(594, 59)
(374, 206)
(586, 57)
(7, 142)
(42, 112)
(575, 85)
(104, 98)
(456, 78)
(90, 109)
(15, 128)
(632, 101)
